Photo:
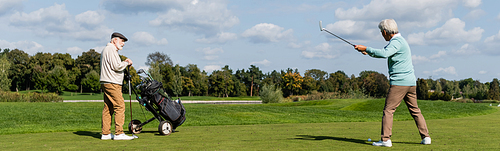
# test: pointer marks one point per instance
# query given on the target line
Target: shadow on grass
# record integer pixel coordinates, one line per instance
(318, 138)
(89, 133)
(98, 134)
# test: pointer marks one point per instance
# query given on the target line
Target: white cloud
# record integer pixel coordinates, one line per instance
(492, 43)
(29, 47)
(483, 72)
(265, 32)
(203, 17)
(298, 45)
(56, 21)
(422, 13)
(220, 38)
(438, 55)
(264, 62)
(322, 50)
(466, 50)
(9, 5)
(350, 29)
(135, 6)
(475, 14)
(99, 48)
(451, 32)
(450, 71)
(472, 3)
(211, 54)
(419, 59)
(90, 18)
(144, 38)
(493, 39)
(210, 51)
(74, 50)
(210, 68)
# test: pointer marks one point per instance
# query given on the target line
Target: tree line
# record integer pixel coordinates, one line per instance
(59, 72)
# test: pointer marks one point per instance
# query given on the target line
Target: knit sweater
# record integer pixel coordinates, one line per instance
(399, 62)
(111, 65)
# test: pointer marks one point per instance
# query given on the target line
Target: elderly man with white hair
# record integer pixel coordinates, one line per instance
(402, 81)
(111, 83)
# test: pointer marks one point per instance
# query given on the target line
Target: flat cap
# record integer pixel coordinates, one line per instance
(119, 36)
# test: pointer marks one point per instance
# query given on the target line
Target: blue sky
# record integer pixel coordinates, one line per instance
(451, 39)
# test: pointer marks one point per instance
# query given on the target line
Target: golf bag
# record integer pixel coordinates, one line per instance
(170, 113)
(173, 111)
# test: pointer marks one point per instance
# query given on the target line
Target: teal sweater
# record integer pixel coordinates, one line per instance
(399, 62)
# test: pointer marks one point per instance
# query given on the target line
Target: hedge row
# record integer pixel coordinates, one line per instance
(29, 97)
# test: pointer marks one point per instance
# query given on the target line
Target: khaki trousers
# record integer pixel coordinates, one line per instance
(113, 104)
(394, 97)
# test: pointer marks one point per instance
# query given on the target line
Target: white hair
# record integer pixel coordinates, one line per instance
(389, 25)
(114, 39)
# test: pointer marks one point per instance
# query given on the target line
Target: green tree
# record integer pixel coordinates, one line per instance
(195, 75)
(271, 94)
(160, 58)
(91, 81)
(20, 73)
(4, 73)
(308, 85)
(57, 79)
(40, 78)
(422, 89)
(439, 88)
(339, 81)
(273, 78)
(154, 70)
(292, 83)
(254, 75)
(316, 74)
(375, 84)
(177, 81)
(188, 84)
(221, 82)
(494, 91)
(87, 62)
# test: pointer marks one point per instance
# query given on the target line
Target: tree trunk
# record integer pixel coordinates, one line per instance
(251, 87)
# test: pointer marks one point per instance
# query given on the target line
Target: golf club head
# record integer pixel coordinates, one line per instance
(320, 26)
(140, 71)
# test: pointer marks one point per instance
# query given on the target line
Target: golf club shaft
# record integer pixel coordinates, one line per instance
(129, 92)
(339, 37)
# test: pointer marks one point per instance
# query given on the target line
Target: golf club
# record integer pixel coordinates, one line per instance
(323, 29)
(130, 96)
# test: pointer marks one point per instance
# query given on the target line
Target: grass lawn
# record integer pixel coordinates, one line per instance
(312, 125)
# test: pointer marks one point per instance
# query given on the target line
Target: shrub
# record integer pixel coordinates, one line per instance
(489, 101)
(271, 94)
(29, 97)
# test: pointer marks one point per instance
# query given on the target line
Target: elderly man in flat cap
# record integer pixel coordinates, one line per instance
(111, 83)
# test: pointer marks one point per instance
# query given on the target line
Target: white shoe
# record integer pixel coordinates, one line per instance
(387, 143)
(107, 137)
(123, 137)
(426, 141)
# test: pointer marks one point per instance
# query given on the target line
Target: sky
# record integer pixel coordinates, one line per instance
(451, 39)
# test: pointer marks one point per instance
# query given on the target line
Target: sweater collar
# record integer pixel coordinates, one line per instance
(396, 35)
(112, 46)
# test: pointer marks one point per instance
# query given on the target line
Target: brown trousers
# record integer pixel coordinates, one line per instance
(113, 104)
(394, 97)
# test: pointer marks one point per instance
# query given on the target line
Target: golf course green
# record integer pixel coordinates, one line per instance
(308, 125)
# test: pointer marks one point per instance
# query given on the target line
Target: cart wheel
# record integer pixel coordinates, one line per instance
(134, 127)
(165, 128)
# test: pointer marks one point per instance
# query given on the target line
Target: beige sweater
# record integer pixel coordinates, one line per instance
(111, 65)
